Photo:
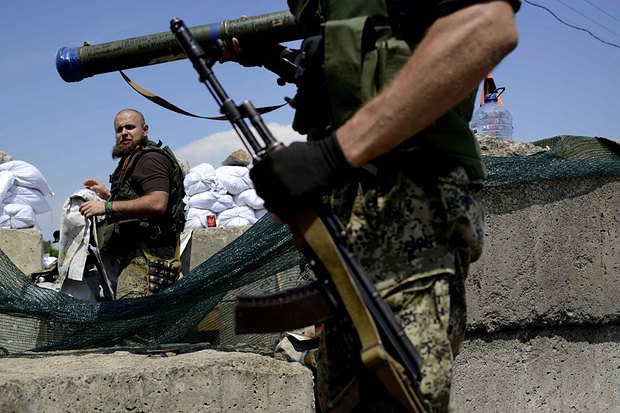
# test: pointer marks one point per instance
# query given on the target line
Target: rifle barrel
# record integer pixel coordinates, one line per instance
(76, 63)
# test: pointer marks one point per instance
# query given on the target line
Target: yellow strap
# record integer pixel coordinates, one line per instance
(374, 356)
(165, 104)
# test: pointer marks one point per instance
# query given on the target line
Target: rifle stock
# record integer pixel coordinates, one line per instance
(385, 348)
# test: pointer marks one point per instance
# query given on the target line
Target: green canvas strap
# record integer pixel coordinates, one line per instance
(165, 104)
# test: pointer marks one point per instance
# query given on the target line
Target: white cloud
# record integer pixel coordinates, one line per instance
(215, 148)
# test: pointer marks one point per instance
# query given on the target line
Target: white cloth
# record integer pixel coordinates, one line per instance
(17, 216)
(74, 236)
(235, 179)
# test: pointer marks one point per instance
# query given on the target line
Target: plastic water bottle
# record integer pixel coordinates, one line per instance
(492, 119)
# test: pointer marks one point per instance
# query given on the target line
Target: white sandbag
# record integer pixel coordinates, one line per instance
(260, 212)
(236, 217)
(211, 200)
(201, 178)
(7, 179)
(197, 218)
(22, 195)
(235, 179)
(27, 175)
(17, 216)
(249, 198)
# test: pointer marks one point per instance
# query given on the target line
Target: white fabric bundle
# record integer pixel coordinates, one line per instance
(235, 179)
(27, 175)
(200, 178)
(211, 200)
(197, 218)
(235, 217)
(22, 195)
(249, 198)
(7, 179)
(17, 216)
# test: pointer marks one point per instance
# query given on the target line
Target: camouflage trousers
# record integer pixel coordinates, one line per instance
(416, 240)
(133, 280)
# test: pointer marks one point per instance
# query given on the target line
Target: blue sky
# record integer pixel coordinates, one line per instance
(558, 81)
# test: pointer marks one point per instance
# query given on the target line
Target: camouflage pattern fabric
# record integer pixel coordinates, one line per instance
(133, 281)
(416, 238)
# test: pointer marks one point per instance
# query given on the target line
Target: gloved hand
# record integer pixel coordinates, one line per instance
(293, 178)
(251, 54)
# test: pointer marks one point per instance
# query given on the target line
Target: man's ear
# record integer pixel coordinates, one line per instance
(145, 129)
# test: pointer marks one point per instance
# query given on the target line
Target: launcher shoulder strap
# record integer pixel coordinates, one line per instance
(167, 105)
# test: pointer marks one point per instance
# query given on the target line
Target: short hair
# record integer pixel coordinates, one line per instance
(140, 115)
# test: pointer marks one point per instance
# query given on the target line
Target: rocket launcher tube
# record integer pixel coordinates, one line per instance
(76, 63)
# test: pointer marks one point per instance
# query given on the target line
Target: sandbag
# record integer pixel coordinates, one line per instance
(17, 216)
(200, 178)
(22, 195)
(27, 175)
(235, 179)
(237, 216)
(211, 200)
(249, 198)
(197, 218)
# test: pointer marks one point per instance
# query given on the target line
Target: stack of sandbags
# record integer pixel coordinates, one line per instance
(22, 194)
(225, 193)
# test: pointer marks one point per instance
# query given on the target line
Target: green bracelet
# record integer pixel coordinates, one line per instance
(108, 208)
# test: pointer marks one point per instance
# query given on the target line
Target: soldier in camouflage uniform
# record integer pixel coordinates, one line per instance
(387, 114)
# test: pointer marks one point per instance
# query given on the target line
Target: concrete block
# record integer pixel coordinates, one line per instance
(206, 242)
(551, 256)
(24, 247)
(202, 381)
(545, 370)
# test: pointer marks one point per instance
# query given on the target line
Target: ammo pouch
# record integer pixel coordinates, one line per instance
(116, 237)
(162, 272)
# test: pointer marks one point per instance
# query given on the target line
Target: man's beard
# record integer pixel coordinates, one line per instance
(120, 151)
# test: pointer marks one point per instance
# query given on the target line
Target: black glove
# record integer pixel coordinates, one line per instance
(254, 53)
(292, 179)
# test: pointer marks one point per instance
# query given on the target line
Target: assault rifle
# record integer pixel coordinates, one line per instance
(343, 284)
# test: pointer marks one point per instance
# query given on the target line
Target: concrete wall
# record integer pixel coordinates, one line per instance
(543, 332)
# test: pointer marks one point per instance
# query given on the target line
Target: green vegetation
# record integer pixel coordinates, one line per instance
(48, 248)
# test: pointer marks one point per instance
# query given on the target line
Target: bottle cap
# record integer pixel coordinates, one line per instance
(490, 97)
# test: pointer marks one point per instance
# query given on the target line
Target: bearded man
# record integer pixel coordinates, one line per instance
(143, 210)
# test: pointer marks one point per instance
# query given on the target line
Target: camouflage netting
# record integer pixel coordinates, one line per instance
(199, 308)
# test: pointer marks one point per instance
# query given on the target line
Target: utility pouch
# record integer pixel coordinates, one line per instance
(162, 272)
(113, 237)
(311, 110)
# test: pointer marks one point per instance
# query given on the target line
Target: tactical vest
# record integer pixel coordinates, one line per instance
(123, 187)
(365, 43)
